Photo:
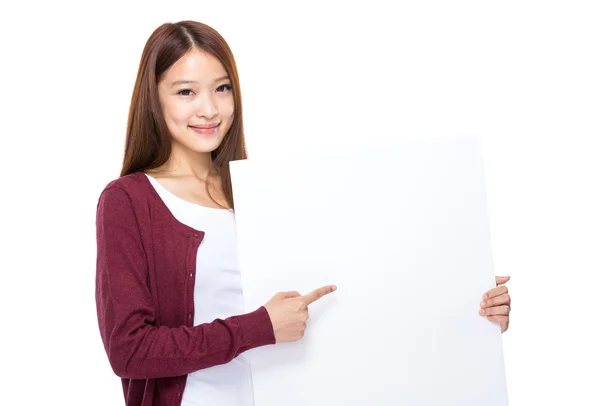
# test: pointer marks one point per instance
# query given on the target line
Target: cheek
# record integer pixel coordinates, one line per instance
(178, 113)
(226, 109)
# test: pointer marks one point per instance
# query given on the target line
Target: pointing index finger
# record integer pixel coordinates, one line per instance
(318, 294)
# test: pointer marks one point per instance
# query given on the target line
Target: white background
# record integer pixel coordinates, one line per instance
(522, 74)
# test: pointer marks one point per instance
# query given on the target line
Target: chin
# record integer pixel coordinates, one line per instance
(200, 144)
(205, 146)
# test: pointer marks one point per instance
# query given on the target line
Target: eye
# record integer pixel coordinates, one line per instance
(184, 92)
(223, 88)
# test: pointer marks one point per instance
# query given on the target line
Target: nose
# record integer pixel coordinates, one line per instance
(206, 108)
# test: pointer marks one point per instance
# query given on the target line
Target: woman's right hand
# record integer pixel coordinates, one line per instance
(289, 312)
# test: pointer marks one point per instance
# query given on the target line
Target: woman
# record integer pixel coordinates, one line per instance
(168, 290)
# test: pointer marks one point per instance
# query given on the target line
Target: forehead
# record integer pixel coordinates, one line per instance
(196, 65)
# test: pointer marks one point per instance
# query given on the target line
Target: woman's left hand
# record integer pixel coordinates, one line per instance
(496, 303)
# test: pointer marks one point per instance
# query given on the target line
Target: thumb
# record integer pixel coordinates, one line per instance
(501, 280)
(288, 295)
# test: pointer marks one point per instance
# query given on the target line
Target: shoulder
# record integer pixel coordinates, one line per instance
(132, 187)
(128, 183)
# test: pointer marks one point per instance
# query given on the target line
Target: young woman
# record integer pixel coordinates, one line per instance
(168, 290)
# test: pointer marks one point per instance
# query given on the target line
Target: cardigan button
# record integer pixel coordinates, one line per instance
(191, 274)
(189, 315)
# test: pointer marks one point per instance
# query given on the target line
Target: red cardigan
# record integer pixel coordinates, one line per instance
(146, 264)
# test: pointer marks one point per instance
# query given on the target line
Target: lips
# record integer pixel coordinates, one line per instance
(205, 126)
(205, 129)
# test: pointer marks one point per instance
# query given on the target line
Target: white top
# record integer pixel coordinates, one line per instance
(217, 294)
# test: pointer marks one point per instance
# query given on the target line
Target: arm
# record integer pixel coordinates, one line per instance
(136, 347)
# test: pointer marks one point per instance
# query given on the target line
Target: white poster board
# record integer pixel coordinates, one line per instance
(403, 232)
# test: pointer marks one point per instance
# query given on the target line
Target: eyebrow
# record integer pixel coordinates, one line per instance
(185, 82)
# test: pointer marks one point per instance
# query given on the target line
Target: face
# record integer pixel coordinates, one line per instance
(197, 102)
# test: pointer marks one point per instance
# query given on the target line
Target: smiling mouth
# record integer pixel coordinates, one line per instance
(205, 129)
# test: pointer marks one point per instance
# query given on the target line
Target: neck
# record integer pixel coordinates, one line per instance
(183, 162)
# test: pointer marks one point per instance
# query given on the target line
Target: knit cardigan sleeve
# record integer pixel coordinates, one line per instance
(137, 348)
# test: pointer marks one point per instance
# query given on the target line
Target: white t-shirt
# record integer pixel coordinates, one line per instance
(217, 294)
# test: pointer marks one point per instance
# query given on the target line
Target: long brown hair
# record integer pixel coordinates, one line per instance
(148, 141)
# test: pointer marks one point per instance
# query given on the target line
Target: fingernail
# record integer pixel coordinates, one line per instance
(485, 296)
(334, 288)
(482, 303)
(482, 312)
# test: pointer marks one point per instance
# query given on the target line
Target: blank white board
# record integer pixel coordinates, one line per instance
(403, 232)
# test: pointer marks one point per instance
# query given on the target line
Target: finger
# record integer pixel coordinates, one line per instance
(500, 290)
(497, 301)
(288, 295)
(502, 320)
(498, 319)
(318, 293)
(495, 311)
(501, 280)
